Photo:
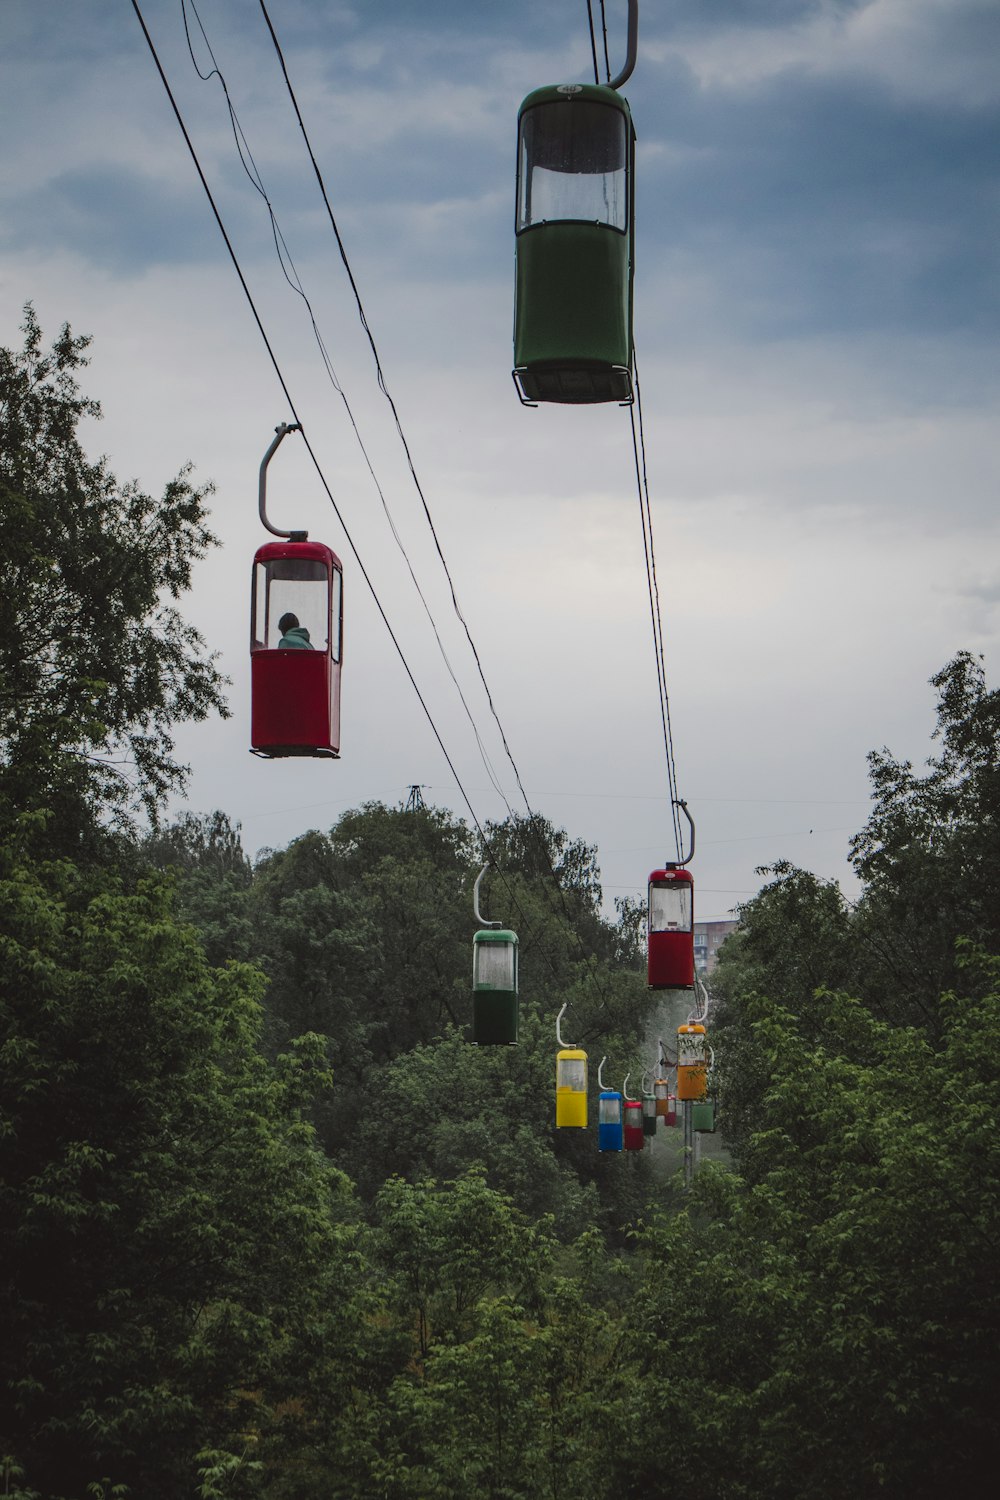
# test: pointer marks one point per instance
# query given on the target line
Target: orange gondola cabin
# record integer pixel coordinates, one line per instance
(296, 635)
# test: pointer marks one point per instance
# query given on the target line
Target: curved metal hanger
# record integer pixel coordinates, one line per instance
(475, 901)
(564, 1045)
(633, 46)
(680, 863)
(279, 433)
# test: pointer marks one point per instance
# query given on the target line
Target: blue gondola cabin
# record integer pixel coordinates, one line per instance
(609, 1121)
(296, 633)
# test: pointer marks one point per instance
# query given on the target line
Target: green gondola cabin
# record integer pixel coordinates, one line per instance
(494, 987)
(574, 246)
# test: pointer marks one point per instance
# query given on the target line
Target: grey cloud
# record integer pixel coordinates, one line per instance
(116, 217)
(825, 203)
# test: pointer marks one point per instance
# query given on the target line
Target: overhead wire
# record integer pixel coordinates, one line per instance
(533, 817)
(294, 281)
(642, 484)
(593, 40)
(645, 507)
(292, 408)
(383, 386)
(319, 471)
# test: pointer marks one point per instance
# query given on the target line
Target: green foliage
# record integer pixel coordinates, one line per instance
(96, 664)
(194, 1303)
(206, 855)
(502, 1365)
(365, 935)
(928, 854)
(929, 862)
(793, 938)
(165, 1217)
(824, 1327)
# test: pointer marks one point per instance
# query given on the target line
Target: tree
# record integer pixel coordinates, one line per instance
(167, 1224)
(929, 855)
(213, 875)
(929, 862)
(96, 664)
(481, 1368)
(820, 1329)
(794, 938)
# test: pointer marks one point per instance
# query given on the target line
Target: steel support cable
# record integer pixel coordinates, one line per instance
(322, 477)
(295, 282)
(297, 286)
(638, 445)
(406, 448)
(607, 55)
(291, 405)
(385, 391)
(642, 483)
(593, 39)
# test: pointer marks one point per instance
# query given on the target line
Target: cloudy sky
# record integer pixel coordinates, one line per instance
(816, 328)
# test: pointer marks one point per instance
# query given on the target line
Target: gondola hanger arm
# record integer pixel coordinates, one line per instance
(280, 432)
(475, 901)
(559, 1039)
(679, 802)
(632, 46)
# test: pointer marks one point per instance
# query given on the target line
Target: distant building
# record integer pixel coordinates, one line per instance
(708, 939)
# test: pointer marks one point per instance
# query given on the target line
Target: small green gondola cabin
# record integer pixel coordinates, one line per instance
(575, 232)
(494, 987)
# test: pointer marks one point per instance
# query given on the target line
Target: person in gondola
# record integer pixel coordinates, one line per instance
(294, 637)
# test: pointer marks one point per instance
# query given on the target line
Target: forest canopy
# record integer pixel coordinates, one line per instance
(271, 1226)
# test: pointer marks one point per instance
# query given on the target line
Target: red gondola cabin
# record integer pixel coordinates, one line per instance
(295, 667)
(635, 1136)
(671, 929)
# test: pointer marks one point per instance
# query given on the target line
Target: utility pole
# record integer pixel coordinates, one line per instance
(415, 801)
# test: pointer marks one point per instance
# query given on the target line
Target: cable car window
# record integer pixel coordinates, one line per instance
(609, 1111)
(572, 1073)
(258, 620)
(691, 1049)
(670, 907)
(292, 586)
(336, 613)
(571, 165)
(496, 965)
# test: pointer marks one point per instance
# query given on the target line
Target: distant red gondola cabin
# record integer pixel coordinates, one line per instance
(296, 630)
(671, 929)
(635, 1136)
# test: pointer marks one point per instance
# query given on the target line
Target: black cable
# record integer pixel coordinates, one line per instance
(291, 406)
(604, 29)
(593, 40)
(642, 482)
(385, 391)
(322, 477)
(294, 281)
(383, 386)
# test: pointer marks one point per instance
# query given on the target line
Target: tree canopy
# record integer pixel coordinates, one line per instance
(96, 662)
(271, 1227)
